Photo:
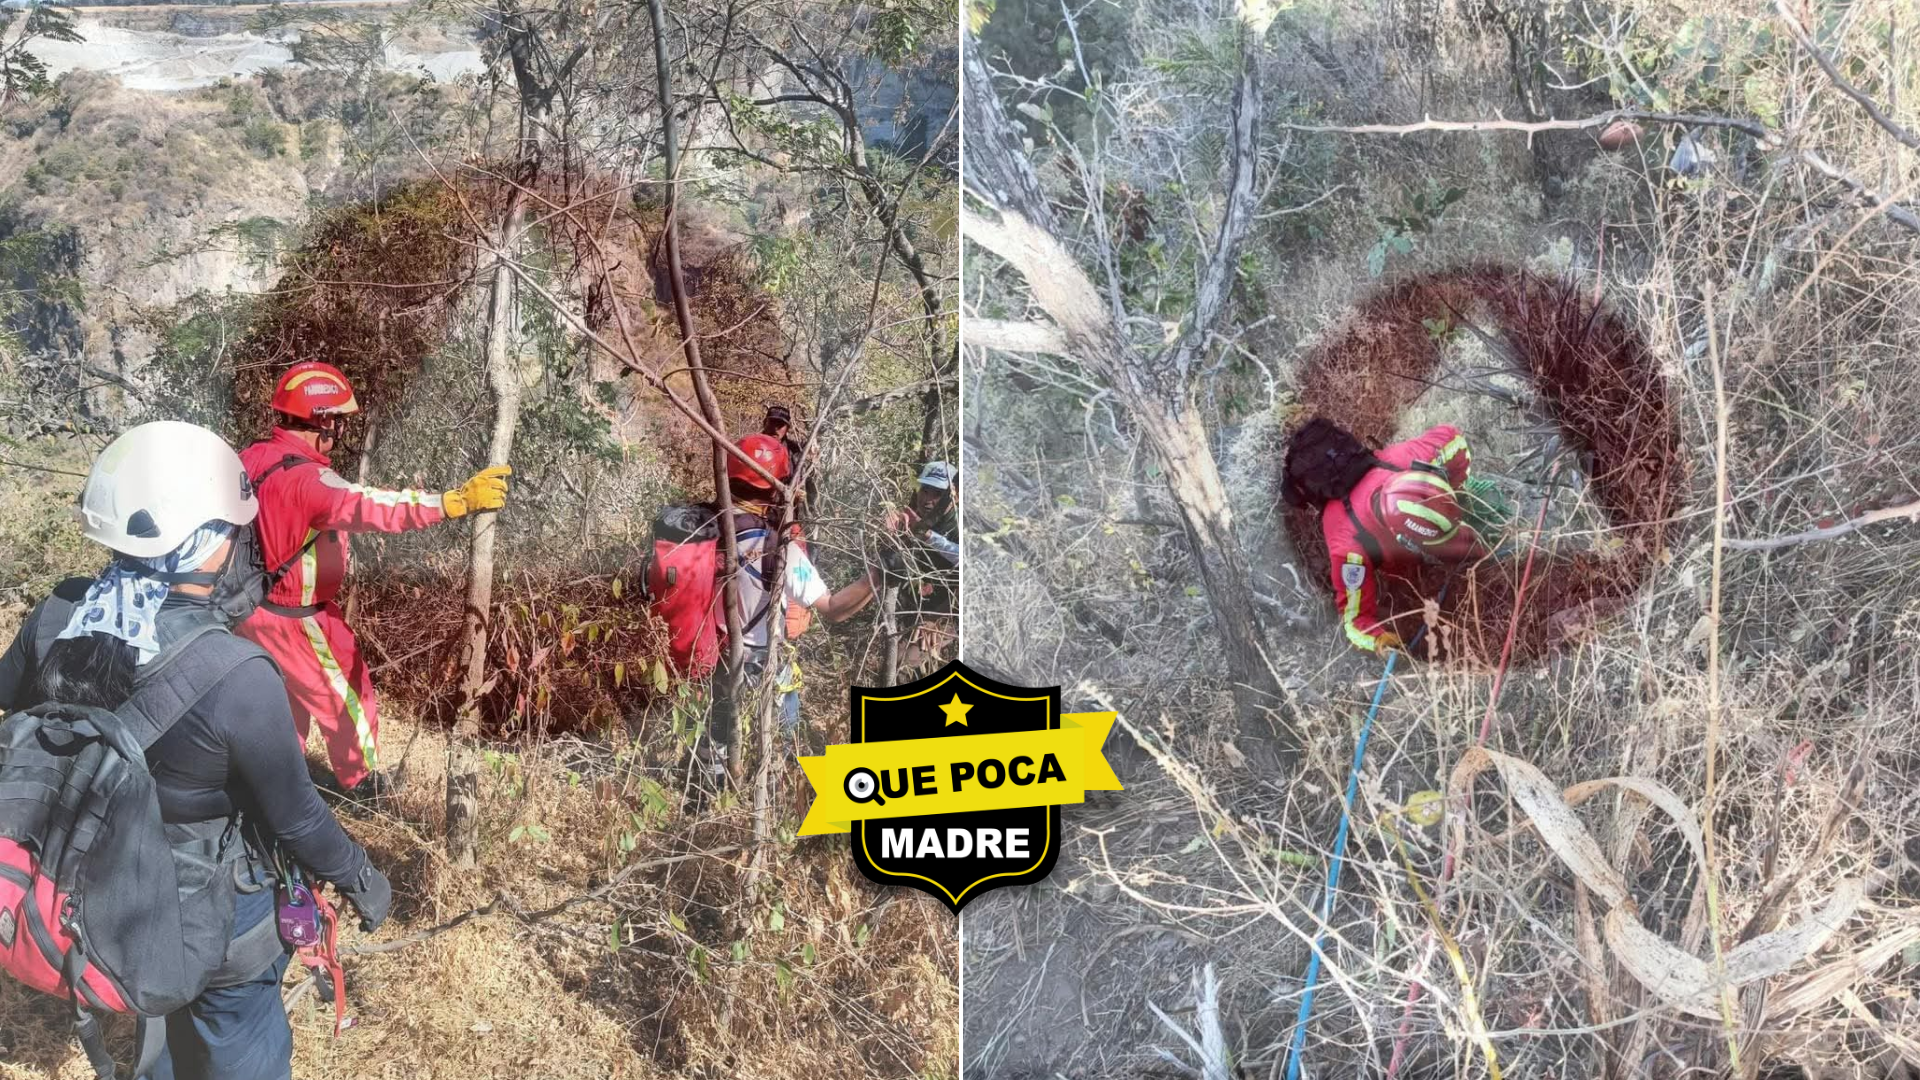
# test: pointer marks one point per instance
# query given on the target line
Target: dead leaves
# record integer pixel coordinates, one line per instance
(1670, 973)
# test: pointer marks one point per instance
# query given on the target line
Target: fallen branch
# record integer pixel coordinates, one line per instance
(505, 904)
(1904, 512)
(1211, 1045)
(1767, 136)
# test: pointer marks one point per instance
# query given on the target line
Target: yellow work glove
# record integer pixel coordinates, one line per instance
(487, 490)
(1387, 640)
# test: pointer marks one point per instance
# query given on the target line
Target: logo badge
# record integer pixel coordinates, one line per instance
(953, 784)
(8, 927)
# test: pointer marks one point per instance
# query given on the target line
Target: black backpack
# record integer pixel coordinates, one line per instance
(87, 867)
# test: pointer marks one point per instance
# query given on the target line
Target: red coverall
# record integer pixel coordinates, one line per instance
(327, 680)
(1353, 568)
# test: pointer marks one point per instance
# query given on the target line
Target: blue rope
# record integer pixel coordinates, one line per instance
(1340, 838)
(1333, 870)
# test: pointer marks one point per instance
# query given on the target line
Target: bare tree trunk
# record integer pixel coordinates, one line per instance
(890, 633)
(770, 698)
(503, 375)
(1179, 443)
(1152, 389)
(360, 477)
(709, 407)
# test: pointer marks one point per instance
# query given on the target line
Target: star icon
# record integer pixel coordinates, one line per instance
(956, 711)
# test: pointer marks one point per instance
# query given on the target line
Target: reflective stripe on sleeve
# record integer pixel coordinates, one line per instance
(1350, 618)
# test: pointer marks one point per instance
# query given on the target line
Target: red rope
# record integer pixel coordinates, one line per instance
(1486, 727)
(325, 957)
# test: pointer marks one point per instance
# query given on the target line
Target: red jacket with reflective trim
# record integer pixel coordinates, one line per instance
(1352, 567)
(300, 500)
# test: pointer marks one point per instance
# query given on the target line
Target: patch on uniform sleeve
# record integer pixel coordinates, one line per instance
(1353, 574)
(8, 926)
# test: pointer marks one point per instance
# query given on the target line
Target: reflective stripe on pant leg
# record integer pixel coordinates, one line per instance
(342, 688)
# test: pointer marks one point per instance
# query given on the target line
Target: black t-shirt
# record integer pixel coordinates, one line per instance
(236, 749)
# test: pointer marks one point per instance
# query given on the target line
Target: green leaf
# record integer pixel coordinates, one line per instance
(660, 676)
(777, 921)
(616, 588)
(619, 674)
(740, 951)
(1038, 112)
(674, 920)
(1424, 808)
(783, 975)
(808, 954)
(861, 935)
(1194, 845)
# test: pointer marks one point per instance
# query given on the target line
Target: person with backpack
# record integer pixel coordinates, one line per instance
(306, 510)
(755, 524)
(1379, 511)
(146, 780)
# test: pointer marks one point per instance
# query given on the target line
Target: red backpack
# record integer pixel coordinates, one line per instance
(683, 583)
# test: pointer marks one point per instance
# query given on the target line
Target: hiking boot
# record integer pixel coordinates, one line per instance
(374, 787)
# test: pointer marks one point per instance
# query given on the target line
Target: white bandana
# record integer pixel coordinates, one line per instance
(125, 599)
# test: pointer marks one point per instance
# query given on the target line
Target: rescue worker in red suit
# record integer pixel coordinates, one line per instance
(305, 511)
(1379, 511)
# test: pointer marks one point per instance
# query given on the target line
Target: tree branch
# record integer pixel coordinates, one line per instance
(1872, 107)
(1767, 136)
(1015, 335)
(1059, 285)
(1217, 282)
(1904, 512)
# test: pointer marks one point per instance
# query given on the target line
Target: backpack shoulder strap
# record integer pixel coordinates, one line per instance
(172, 683)
(50, 617)
(286, 461)
(1418, 466)
(769, 563)
(1367, 539)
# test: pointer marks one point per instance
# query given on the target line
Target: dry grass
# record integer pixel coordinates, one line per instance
(846, 980)
(1213, 855)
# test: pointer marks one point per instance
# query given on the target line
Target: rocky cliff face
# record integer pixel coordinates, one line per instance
(155, 197)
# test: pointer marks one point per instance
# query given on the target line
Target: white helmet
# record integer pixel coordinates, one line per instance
(155, 484)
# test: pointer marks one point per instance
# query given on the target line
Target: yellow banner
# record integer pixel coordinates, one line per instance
(911, 777)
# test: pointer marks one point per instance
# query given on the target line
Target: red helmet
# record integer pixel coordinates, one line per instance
(769, 452)
(312, 389)
(1420, 508)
